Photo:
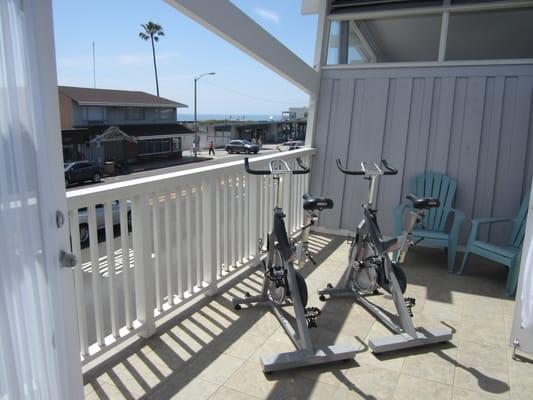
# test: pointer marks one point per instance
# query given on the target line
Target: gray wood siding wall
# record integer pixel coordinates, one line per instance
(472, 123)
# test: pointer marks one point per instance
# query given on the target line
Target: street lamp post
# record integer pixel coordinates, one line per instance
(196, 138)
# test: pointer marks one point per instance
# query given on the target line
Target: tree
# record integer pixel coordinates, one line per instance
(152, 31)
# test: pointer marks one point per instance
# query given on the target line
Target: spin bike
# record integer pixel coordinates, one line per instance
(370, 266)
(284, 286)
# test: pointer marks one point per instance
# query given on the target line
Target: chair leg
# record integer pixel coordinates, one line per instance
(463, 263)
(512, 278)
(451, 257)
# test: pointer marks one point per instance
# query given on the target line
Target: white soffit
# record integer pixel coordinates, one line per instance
(311, 7)
(233, 25)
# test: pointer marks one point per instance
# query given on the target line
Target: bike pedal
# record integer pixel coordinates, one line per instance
(311, 314)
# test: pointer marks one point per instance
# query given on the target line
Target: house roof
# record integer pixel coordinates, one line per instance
(111, 97)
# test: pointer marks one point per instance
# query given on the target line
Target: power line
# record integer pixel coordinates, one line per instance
(249, 96)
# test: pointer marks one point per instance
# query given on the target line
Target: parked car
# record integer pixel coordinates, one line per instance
(241, 146)
(81, 171)
(294, 144)
(100, 219)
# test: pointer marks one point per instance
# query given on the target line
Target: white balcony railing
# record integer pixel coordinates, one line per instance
(189, 230)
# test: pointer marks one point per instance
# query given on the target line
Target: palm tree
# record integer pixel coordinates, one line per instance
(152, 31)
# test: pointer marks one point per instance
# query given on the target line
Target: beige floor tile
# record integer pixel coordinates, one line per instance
(109, 391)
(479, 379)
(410, 387)
(373, 381)
(489, 356)
(251, 380)
(463, 394)
(220, 369)
(224, 393)
(197, 389)
(436, 365)
(245, 346)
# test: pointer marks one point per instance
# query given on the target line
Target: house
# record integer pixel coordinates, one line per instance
(146, 125)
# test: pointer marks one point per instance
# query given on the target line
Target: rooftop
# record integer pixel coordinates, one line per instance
(111, 97)
(212, 351)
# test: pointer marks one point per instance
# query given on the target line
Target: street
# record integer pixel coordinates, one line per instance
(221, 156)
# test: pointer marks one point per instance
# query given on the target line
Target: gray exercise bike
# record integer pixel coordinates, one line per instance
(371, 265)
(284, 286)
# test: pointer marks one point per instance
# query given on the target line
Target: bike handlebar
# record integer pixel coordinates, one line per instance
(304, 170)
(390, 170)
(384, 163)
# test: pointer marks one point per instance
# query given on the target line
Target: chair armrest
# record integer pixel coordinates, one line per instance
(458, 219)
(480, 221)
(477, 222)
(398, 217)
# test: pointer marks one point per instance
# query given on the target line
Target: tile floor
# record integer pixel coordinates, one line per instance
(213, 352)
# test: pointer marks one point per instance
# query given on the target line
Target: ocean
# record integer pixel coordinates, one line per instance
(233, 117)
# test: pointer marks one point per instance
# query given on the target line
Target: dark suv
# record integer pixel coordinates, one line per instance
(81, 171)
(241, 146)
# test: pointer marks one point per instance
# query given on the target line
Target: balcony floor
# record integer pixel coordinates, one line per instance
(213, 351)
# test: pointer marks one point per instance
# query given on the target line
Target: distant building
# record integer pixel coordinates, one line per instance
(295, 113)
(118, 125)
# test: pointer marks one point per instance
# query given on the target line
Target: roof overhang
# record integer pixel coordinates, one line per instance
(229, 22)
(113, 133)
(121, 104)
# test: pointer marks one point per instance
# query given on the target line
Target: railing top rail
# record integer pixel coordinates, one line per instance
(127, 189)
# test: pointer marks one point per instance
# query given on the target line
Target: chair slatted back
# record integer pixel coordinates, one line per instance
(435, 185)
(519, 223)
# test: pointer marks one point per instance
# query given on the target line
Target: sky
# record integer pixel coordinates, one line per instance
(123, 61)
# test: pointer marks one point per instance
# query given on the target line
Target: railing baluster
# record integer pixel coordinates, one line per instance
(218, 228)
(95, 275)
(247, 228)
(125, 245)
(168, 250)
(198, 235)
(111, 268)
(78, 282)
(233, 225)
(253, 194)
(179, 244)
(188, 250)
(144, 286)
(226, 236)
(157, 251)
(239, 221)
(209, 234)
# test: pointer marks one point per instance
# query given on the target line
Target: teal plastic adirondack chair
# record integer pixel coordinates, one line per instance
(508, 255)
(432, 229)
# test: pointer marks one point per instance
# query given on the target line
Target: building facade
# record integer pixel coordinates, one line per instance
(144, 125)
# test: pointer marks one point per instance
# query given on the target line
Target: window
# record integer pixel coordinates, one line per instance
(154, 146)
(164, 113)
(134, 114)
(502, 34)
(405, 39)
(95, 114)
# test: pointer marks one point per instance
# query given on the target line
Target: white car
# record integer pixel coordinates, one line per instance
(100, 219)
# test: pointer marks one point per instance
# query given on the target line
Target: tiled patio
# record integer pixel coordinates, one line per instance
(213, 352)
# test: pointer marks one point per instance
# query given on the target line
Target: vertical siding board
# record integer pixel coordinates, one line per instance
(441, 126)
(321, 135)
(488, 152)
(470, 143)
(505, 201)
(339, 133)
(394, 146)
(528, 177)
(457, 127)
(369, 132)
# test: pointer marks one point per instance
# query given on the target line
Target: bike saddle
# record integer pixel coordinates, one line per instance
(316, 203)
(421, 203)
